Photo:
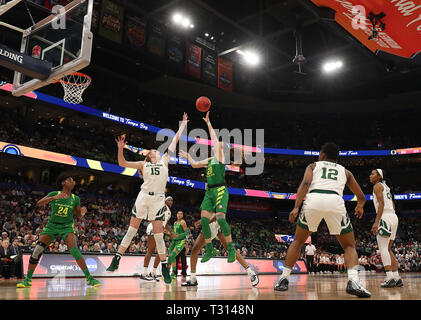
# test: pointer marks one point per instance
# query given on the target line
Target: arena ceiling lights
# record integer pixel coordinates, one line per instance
(249, 57)
(182, 20)
(332, 66)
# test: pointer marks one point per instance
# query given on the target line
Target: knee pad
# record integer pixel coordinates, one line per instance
(74, 251)
(131, 232)
(160, 243)
(37, 253)
(383, 243)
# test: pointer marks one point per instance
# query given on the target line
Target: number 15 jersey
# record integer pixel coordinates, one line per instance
(328, 176)
(155, 176)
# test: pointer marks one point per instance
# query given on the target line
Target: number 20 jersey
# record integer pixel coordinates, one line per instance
(328, 176)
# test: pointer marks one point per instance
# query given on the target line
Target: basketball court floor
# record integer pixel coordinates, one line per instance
(238, 287)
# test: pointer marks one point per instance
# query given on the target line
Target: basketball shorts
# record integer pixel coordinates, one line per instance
(330, 207)
(388, 225)
(55, 230)
(149, 206)
(215, 229)
(216, 200)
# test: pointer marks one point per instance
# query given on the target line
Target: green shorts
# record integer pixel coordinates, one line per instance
(177, 245)
(55, 230)
(216, 200)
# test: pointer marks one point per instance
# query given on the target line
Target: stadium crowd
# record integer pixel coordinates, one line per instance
(281, 173)
(107, 219)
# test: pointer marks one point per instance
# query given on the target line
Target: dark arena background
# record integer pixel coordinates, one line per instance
(295, 74)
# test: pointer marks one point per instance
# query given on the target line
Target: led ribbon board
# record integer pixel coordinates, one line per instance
(18, 150)
(143, 126)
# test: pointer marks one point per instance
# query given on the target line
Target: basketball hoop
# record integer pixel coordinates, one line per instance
(74, 85)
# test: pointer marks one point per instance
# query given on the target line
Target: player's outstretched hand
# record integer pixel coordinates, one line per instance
(83, 211)
(183, 154)
(120, 142)
(293, 215)
(359, 211)
(185, 118)
(207, 118)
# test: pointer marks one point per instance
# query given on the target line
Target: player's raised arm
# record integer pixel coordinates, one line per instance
(194, 164)
(217, 146)
(356, 189)
(122, 161)
(177, 136)
(302, 191)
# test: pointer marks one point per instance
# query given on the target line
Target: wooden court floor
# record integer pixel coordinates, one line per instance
(238, 287)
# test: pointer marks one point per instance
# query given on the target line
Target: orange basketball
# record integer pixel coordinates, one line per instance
(203, 104)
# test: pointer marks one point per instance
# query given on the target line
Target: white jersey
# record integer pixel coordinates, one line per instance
(387, 197)
(155, 176)
(328, 176)
(167, 217)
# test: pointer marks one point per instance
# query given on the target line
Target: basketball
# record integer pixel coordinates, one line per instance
(203, 104)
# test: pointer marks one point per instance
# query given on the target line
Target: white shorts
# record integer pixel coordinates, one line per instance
(215, 229)
(149, 230)
(330, 207)
(149, 207)
(388, 225)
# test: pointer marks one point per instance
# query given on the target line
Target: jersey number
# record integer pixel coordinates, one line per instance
(62, 211)
(331, 174)
(155, 171)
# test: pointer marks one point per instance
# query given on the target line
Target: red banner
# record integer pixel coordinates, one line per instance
(402, 35)
(224, 74)
(193, 60)
(249, 206)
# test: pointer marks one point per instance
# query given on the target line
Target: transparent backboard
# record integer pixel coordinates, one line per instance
(64, 39)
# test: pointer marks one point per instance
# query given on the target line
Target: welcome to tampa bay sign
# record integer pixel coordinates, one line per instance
(402, 34)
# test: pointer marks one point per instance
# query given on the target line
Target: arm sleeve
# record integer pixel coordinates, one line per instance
(182, 235)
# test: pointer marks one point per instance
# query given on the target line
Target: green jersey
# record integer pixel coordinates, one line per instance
(178, 228)
(62, 209)
(215, 172)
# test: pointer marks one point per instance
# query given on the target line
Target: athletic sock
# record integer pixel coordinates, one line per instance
(353, 274)
(249, 271)
(389, 275)
(86, 272)
(145, 271)
(153, 271)
(193, 275)
(209, 246)
(230, 246)
(396, 275)
(29, 275)
(286, 272)
(118, 256)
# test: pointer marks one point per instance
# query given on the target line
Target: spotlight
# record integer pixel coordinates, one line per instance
(211, 38)
(206, 34)
(331, 66)
(177, 18)
(240, 52)
(191, 25)
(251, 58)
(185, 23)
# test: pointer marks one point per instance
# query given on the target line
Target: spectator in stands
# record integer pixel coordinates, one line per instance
(7, 264)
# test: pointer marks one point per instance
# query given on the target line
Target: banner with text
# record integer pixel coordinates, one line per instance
(135, 35)
(224, 74)
(112, 20)
(193, 60)
(156, 39)
(209, 67)
(175, 51)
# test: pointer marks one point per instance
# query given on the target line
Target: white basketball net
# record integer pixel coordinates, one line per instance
(74, 84)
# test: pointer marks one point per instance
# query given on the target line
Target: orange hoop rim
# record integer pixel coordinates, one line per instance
(75, 84)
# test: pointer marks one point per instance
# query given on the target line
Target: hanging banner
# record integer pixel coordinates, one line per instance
(224, 74)
(111, 23)
(209, 67)
(135, 35)
(95, 15)
(175, 51)
(193, 60)
(402, 20)
(156, 39)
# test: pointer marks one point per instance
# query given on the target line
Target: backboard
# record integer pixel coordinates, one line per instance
(64, 38)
